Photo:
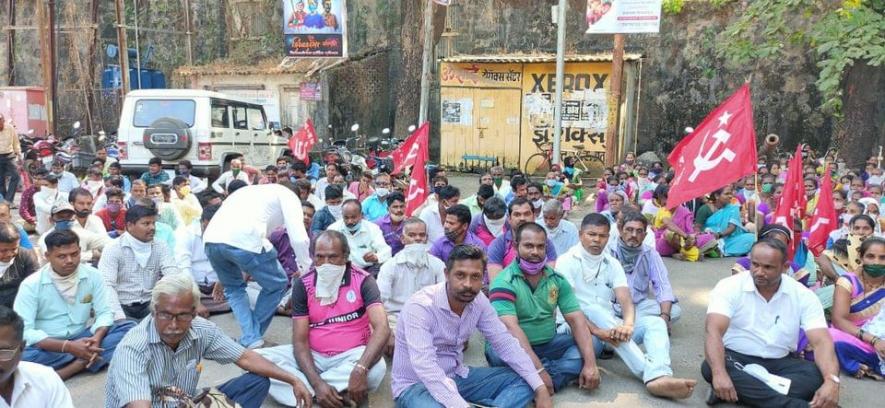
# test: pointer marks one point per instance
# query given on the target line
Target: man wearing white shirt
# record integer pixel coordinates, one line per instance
(409, 271)
(502, 187)
(598, 279)
(368, 249)
(44, 199)
(24, 384)
(81, 199)
(237, 242)
(561, 231)
(754, 319)
(236, 172)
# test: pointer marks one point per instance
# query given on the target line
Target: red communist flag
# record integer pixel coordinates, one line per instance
(303, 140)
(721, 150)
(824, 220)
(406, 154)
(791, 206)
(417, 191)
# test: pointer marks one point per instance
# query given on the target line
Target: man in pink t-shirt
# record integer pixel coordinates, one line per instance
(339, 329)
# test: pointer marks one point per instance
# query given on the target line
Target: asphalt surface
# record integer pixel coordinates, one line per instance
(691, 282)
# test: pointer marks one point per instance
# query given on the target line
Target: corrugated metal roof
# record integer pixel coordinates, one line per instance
(268, 66)
(530, 58)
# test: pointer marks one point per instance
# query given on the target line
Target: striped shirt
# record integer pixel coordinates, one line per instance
(430, 340)
(143, 364)
(130, 283)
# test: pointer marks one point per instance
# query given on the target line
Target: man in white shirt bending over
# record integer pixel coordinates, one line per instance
(753, 323)
(237, 242)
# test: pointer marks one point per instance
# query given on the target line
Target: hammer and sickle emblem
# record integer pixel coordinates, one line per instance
(706, 161)
(414, 191)
(819, 223)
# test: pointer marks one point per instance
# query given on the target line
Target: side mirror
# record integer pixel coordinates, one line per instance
(77, 125)
(30, 132)
(385, 131)
(355, 127)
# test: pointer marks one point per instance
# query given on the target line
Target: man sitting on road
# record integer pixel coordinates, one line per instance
(132, 264)
(16, 263)
(477, 201)
(339, 329)
(161, 358)
(81, 199)
(44, 200)
(26, 209)
(236, 172)
(375, 206)
(57, 302)
(526, 296)
(24, 384)
(368, 248)
(392, 224)
(753, 324)
(155, 173)
(597, 278)
(502, 251)
(6, 216)
(457, 233)
(434, 215)
(562, 232)
(113, 215)
(435, 323)
(490, 224)
(645, 271)
(191, 258)
(409, 271)
(62, 219)
(330, 213)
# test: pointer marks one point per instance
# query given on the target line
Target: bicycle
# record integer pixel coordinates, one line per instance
(539, 163)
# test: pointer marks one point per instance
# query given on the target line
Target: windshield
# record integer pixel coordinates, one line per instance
(147, 111)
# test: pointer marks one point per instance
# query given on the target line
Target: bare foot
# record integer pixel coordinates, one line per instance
(71, 369)
(669, 387)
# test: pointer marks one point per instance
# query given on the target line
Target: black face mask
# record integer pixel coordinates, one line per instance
(83, 214)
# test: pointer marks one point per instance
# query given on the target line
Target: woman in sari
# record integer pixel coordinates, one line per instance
(780, 233)
(723, 218)
(858, 299)
(673, 227)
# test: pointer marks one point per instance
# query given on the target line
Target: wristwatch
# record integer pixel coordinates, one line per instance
(835, 378)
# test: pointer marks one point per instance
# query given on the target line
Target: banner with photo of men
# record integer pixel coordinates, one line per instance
(315, 28)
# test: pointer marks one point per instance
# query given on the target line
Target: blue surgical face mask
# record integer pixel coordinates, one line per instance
(355, 228)
(64, 225)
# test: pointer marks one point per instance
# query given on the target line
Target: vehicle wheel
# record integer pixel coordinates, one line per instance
(537, 164)
(168, 138)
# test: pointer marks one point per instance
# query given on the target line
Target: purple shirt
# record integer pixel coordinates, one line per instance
(444, 246)
(285, 254)
(392, 235)
(434, 352)
(649, 268)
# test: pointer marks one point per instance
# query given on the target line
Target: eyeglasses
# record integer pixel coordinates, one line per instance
(181, 317)
(9, 354)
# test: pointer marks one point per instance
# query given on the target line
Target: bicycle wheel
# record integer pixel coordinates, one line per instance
(537, 164)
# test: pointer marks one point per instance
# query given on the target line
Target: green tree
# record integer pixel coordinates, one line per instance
(847, 38)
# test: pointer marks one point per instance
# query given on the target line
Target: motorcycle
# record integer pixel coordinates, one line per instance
(353, 163)
(41, 153)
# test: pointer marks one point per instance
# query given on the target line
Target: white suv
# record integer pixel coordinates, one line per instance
(207, 128)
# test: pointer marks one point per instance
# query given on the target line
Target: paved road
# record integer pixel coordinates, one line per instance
(619, 388)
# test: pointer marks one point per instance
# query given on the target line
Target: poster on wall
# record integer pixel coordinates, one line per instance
(623, 16)
(584, 105)
(315, 28)
(457, 112)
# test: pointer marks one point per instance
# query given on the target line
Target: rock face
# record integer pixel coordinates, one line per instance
(682, 78)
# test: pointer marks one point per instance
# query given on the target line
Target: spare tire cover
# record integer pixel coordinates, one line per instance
(168, 138)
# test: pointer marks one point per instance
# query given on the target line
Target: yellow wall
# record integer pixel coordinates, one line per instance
(502, 110)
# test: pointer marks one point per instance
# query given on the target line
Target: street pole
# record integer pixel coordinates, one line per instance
(123, 50)
(614, 102)
(426, 64)
(560, 74)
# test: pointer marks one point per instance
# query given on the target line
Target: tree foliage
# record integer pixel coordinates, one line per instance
(839, 33)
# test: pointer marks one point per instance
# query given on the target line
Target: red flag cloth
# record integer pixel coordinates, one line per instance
(824, 220)
(405, 155)
(302, 141)
(721, 150)
(417, 192)
(791, 205)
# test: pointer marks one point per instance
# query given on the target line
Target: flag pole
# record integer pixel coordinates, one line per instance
(759, 196)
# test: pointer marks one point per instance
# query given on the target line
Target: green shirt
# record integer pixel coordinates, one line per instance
(511, 295)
